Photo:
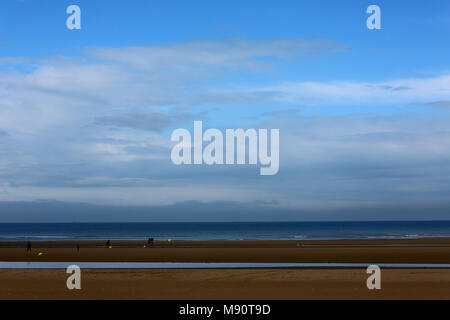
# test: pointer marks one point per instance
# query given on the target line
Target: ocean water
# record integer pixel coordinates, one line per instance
(224, 230)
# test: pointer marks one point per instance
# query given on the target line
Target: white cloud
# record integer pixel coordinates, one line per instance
(400, 91)
(231, 53)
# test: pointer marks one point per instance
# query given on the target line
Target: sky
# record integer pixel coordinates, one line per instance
(86, 115)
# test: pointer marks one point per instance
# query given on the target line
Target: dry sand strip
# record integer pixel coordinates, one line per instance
(240, 284)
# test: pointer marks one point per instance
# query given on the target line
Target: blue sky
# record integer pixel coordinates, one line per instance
(86, 115)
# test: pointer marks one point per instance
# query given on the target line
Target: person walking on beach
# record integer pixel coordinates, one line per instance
(108, 243)
(78, 247)
(150, 241)
(28, 246)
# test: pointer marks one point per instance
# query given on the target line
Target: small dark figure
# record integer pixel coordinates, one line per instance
(28, 246)
(150, 241)
(78, 247)
(108, 243)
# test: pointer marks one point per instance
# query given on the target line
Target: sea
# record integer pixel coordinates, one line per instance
(224, 230)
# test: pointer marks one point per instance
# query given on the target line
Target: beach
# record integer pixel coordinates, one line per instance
(220, 284)
(230, 283)
(431, 250)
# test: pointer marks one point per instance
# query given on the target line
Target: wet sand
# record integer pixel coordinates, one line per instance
(367, 251)
(220, 284)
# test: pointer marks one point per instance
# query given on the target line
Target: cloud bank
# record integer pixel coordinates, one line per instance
(94, 129)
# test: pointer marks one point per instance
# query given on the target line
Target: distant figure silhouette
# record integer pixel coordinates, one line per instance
(78, 247)
(108, 243)
(150, 241)
(28, 246)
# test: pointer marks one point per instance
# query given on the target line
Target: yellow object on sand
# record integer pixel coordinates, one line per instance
(110, 247)
(169, 241)
(40, 254)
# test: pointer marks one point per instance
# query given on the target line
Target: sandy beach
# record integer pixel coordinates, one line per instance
(269, 283)
(191, 284)
(350, 251)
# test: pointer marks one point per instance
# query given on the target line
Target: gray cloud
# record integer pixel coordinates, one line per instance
(228, 53)
(151, 121)
(439, 104)
(327, 163)
(193, 211)
(390, 87)
(4, 133)
(236, 96)
(282, 113)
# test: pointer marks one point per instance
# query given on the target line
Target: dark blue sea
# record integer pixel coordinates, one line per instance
(224, 231)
